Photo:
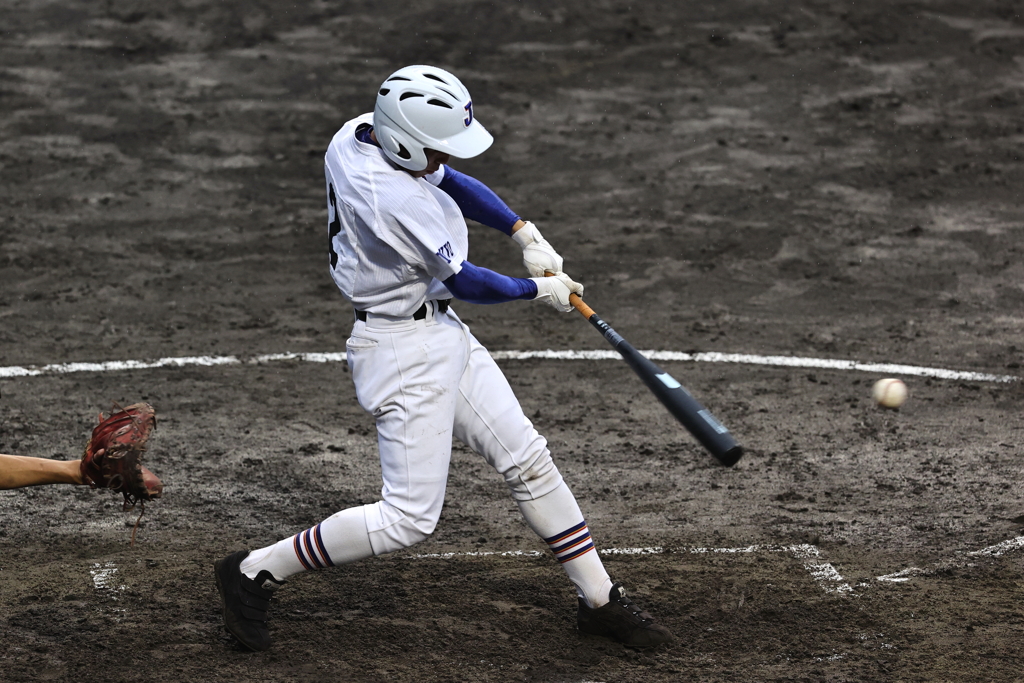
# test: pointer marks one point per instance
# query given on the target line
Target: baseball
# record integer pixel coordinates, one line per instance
(889, 393)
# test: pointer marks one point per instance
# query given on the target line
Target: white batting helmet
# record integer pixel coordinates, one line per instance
(423, 107)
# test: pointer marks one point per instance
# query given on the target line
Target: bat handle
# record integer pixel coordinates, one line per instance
(577, 301)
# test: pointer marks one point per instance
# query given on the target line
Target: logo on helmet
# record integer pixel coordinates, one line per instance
(469, 113)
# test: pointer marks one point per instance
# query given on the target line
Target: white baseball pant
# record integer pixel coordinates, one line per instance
(425, 381)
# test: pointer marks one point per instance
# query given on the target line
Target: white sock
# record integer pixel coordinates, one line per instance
(556, 518)
(339, 539)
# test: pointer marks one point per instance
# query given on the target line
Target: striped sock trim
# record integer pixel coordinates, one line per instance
(571, 543)
(582, 526)
(309, 548)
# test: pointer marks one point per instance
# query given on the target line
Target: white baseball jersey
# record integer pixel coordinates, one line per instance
(393, 237)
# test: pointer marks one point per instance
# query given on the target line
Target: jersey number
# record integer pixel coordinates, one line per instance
(334, 227)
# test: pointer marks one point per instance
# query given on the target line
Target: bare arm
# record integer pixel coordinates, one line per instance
(17, 471)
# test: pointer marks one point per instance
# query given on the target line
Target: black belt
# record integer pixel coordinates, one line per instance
(421, 312)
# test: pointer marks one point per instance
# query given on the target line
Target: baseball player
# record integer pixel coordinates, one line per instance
(398, 246)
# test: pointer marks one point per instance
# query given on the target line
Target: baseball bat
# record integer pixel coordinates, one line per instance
(697, 419)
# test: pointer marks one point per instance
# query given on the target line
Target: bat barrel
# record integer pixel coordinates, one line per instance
(697, 419)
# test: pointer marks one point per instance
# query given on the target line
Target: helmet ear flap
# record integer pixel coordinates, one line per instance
(400, 148)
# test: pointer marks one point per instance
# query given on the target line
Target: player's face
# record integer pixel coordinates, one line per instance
(434, 161)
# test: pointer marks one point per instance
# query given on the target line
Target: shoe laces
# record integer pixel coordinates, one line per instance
(632, 607)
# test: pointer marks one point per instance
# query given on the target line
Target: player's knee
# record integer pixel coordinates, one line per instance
(409, 532)
(402, 530)
(537, 478)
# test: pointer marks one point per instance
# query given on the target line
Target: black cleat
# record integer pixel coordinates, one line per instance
(622, 621)
(246, 601)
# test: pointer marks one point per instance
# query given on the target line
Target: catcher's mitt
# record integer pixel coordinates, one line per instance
(113, 457)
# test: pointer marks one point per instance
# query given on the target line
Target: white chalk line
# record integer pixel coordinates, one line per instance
(996, 550)
(823, 573)
(104, 577)
(772, 361)
(1001, 548)
(104, 580)
(705, 357)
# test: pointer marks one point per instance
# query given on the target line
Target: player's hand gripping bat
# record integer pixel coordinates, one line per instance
(711, 433)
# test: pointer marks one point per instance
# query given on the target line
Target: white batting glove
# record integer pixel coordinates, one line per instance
(538, 255)
(556, 289)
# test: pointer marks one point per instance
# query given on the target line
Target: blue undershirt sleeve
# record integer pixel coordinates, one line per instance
(477, 201)
(482, 286)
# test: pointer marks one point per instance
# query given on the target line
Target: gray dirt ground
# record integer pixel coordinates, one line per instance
(808, 179)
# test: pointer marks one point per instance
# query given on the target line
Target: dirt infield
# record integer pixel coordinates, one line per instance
(804, 180)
